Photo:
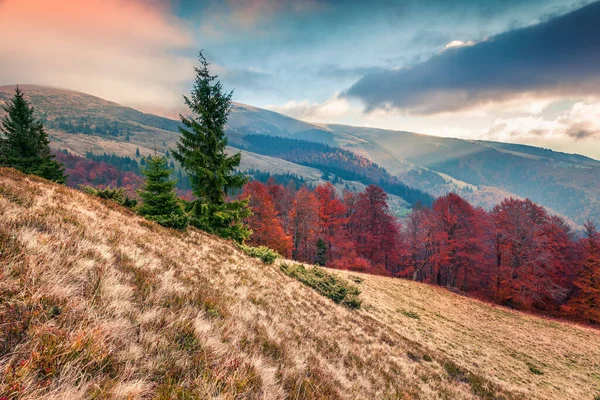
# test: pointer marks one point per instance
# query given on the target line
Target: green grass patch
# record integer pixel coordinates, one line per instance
(267, 255)
(534, 370)
(326, 284)
(410, 314)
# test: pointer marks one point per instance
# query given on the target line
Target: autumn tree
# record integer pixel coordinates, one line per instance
(585, 304)
(332, 222)
(375, 230)
(201, 150)
(527, 267)
(419, 231)
(304, 225)
(24, 144)
(283, 201)
(267, 229)
(459, 249)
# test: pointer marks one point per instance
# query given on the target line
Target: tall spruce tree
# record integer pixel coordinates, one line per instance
(160, 203)
(201, 152)
(24, 144)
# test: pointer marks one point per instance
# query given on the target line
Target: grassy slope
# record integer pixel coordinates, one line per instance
(96, 301)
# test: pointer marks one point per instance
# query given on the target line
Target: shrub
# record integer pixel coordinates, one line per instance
(175, 220)
(267, 255)
(326, 284)
(117, 195)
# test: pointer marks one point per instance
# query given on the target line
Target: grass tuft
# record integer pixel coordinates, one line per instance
(326, 284)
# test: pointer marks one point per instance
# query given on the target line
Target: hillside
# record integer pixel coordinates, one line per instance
(482, 172)
(71, 119)
(96, 302)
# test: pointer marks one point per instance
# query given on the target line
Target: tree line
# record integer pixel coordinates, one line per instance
(517, 255)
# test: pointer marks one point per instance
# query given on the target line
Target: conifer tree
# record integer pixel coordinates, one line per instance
(24, 144)
(201, 152)
(160, 203)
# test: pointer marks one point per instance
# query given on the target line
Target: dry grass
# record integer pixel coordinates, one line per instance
(96, 302)
(540, 357)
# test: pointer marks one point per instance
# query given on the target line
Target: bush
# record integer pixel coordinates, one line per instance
(264, 253)
(117, 195)
(326, 284)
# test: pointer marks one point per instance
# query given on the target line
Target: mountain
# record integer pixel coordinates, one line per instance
(483, 172)
(96, 302)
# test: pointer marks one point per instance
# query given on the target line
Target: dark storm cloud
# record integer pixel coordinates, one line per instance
(561, 55)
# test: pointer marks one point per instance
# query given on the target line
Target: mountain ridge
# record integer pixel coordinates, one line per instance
(482, 172)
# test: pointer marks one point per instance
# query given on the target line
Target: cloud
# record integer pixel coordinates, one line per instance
(327, 111)
(122, 50)
(458, 43)
(560, 56)
(580, 122)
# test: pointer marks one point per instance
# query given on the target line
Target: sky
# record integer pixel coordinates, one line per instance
(508, 70)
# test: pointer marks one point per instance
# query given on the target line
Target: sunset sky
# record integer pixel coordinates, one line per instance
(508, 70)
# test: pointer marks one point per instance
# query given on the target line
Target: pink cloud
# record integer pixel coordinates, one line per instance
(121, 50)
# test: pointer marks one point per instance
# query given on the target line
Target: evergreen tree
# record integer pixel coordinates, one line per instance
(160, 203)
(201, 152)
(137, 152)
(321, 257)
(24, 144)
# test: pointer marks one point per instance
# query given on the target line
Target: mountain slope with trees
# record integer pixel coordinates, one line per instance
(482, 172)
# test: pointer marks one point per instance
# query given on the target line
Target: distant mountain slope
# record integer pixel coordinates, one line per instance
(100, 303)
(482, 172)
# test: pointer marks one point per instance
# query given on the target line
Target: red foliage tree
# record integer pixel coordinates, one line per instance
(304, 225)
(332, 223)
(375, 230)
(585, 304)
(528, 268)
(266, 227)
(459, 243)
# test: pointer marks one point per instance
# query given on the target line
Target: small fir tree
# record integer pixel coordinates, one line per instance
(24, 144)
(321, 257)
(201, 152)
(160, 202)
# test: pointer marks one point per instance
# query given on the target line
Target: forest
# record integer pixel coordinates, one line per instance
(517, 255)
